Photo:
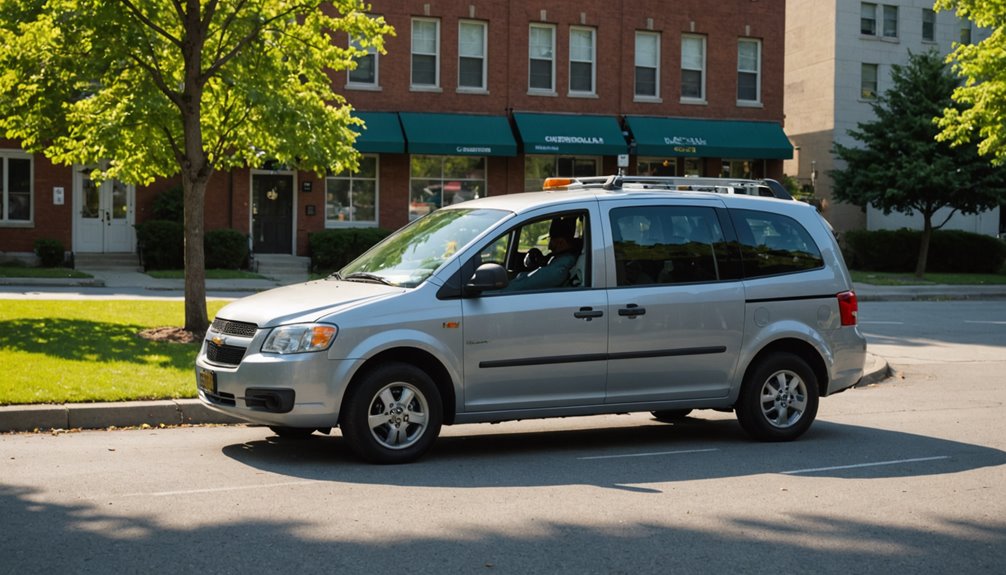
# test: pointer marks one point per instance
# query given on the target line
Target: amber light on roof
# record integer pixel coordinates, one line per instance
(557, 183)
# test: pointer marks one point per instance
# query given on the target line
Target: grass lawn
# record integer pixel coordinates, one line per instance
(29, 272)
(210, 275)
(58, 351)
(907, 279)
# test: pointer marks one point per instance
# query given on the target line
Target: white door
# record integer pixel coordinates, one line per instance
(104, 215)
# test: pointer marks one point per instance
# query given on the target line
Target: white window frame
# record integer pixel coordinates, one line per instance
(883, 23)
(484, 56)
(862, 82)
(930, 15)
(5, 201)
(371, 53)
(655, 97)
(551, 28)
(336, 223)
(592, 61)
(436, 55)
(871, 17)
(701, 98)
(756, 71)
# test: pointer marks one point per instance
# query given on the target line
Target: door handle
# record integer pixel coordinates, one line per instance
(587, 313)
(631, 310)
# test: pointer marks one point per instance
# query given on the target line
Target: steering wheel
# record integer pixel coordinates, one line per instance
(534, 259)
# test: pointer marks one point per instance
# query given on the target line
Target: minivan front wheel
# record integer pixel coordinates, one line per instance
(779, 398)
(393, 415)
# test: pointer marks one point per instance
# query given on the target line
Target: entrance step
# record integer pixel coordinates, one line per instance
(114, 261)
(283, 267)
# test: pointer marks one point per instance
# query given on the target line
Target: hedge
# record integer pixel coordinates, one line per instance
(51, 253)
(333, 249)
(162, 244)
(226, 249)
(950, 251)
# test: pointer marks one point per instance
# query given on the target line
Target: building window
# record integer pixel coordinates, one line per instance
(693, 67)
(425, 55)
(647, 64)
(537, 168)
(15, 187)
(541, 58)
(351, 197)
(966, 32)
(868, 82)
(693, 167)
(928, 25)
(365, 73)
(665, 167)
(737, 169)
(749, 70)
(868, 19)
(437, 181)
(472, 55)
(890, 21)
(581, 60)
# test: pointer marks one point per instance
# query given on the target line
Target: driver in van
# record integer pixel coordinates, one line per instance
(563, 251)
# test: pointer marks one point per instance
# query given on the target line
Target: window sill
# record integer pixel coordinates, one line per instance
(549, 93)
(647, 99)
(472, 91)
(694, 101)
(364, 87)
(16, 224)
(587, 95)
(749, 104)
(430, 89)
(887, 39)
(334, 224)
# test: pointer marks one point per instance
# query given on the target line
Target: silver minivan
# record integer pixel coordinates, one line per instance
(587, 299)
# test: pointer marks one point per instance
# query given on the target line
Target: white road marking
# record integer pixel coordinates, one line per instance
(985, 322)
(220, 489)
(653, 454)
(882, 322)
(861, 465)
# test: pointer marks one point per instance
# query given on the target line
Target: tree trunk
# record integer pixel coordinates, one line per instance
(927, 233)
(196, 317)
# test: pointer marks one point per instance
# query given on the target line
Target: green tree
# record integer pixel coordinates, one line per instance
(183, 88)
(982, 97)
(900, 165)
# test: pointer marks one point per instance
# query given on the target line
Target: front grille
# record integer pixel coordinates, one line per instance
(238, 328)
(224, 354)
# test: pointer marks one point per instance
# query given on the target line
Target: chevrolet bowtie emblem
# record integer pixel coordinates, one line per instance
(218, 340)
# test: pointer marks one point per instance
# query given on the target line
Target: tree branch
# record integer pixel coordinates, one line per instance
(150, 23)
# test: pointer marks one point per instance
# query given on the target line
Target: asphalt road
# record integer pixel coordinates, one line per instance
(906, 476)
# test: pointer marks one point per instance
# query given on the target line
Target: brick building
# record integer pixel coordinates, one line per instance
(477, 97)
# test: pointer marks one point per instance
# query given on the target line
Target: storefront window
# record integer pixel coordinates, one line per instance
(15, 187)
(665, 167)
(437, 181)
(537, 168)
(693, 167)
(351, 198)
(737, 169)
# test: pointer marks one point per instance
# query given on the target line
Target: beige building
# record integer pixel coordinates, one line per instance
(839, 55)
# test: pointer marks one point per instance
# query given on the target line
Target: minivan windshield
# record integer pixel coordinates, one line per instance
(410, 255)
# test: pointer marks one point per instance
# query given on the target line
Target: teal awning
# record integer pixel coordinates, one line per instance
(570, 134)
(458, 134)
(382, 134)
(657, 136)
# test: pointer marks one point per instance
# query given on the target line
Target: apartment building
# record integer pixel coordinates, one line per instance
(472, 98)
(839, 55)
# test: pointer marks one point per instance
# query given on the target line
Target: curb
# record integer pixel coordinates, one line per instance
(20, 418)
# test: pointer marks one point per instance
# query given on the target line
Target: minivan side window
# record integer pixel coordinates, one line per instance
(657, 245)
(513, 250)
(773, 244)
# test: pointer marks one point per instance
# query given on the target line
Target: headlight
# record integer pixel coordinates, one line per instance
(300, 338)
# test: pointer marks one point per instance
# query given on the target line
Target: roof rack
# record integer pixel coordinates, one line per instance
(765, 187)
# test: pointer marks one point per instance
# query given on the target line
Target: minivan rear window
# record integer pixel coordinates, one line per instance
(773, 244)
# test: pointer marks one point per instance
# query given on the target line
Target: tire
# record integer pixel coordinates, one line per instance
(392, 414)
(779, 398)
(670, 415)
(292, 432)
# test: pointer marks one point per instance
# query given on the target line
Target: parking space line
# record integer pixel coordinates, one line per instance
(861, 465)
(652, 454)
(989, 322)
(221, 489)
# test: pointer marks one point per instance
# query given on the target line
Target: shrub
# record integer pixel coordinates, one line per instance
(226, 249)
(950, 251)
(333, 249)
(50, 252)
(161, 244)
(169, 205)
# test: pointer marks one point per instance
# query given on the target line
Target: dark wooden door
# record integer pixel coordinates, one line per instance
(272, 213)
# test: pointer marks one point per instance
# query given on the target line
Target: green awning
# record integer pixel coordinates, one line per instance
(570, 134)
(662, 137)
(458, 134)
(382, 134)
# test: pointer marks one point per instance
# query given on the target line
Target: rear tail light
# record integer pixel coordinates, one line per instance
(848, 307)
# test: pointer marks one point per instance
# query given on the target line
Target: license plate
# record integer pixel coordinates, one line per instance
(207, 381)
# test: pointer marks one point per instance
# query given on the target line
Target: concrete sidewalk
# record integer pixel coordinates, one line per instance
(116, 283)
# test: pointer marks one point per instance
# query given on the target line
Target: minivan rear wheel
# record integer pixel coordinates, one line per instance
(393, 414)
(779, 398)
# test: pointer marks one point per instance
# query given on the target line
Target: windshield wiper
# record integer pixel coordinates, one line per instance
(368, 277)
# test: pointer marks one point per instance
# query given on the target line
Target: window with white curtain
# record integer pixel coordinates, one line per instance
(425, 54)
(693, 67)
(647, 64)
(472, 55)
(581, 60)
(541, 58)
(749, 70)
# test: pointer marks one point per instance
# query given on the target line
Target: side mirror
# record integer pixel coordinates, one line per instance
(486, 277)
